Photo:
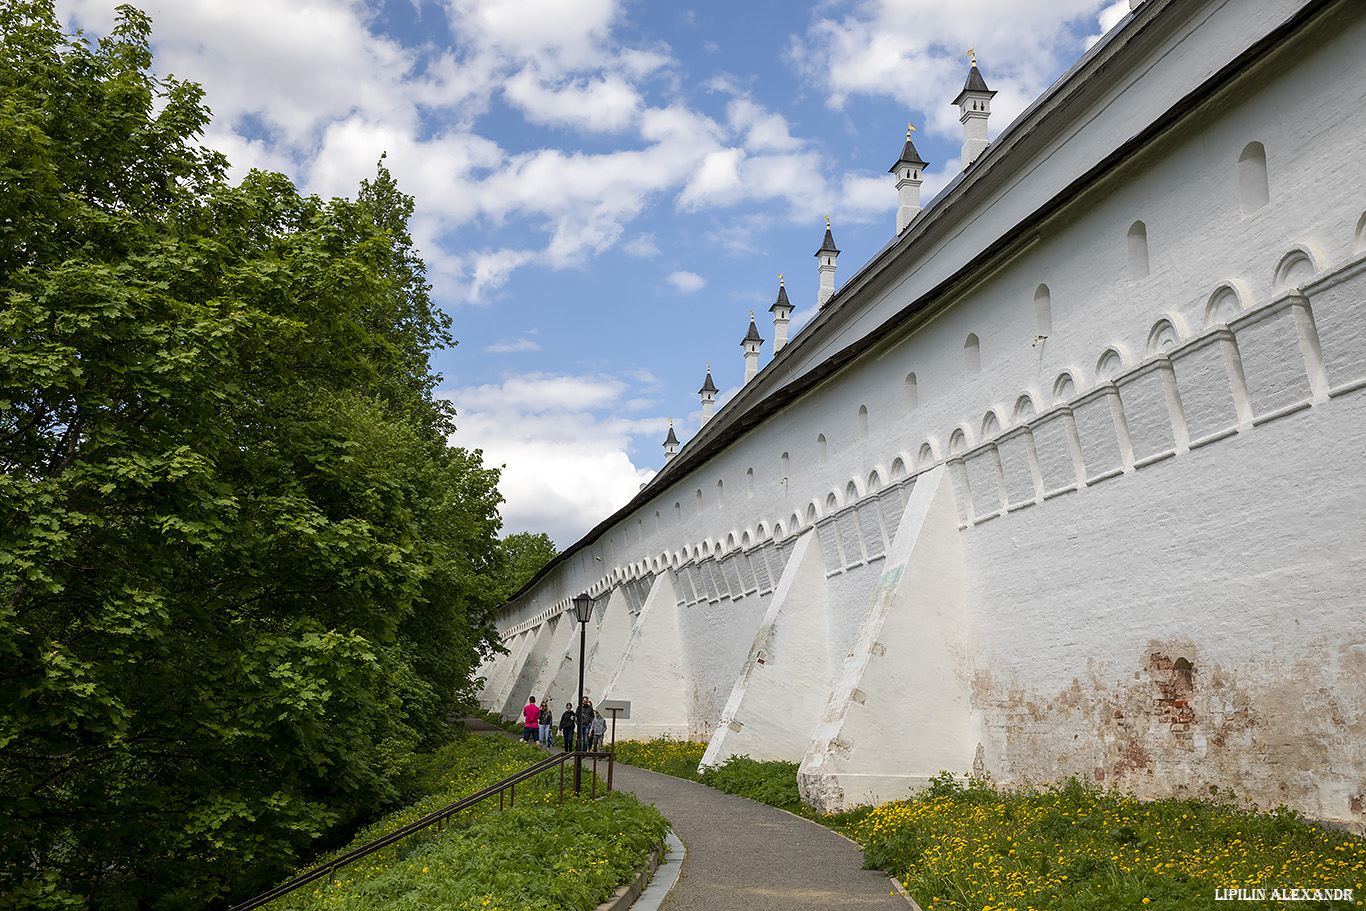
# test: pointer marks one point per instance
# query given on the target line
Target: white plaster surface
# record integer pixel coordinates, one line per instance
(1202, 502)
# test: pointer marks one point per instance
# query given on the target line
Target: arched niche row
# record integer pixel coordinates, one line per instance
(1253, 190)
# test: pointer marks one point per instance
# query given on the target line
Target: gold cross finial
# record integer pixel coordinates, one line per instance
(827, 221)
(972, 52)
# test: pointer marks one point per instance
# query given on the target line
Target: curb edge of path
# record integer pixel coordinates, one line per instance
(628, 893)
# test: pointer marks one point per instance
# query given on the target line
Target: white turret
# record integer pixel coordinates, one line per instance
(751, 343)
(670, 443)
(908, 170)
(826, 257)
(974, 106)
(782, 313)
(708, 393)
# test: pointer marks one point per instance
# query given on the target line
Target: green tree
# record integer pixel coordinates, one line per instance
(240, 571)
(523, 555)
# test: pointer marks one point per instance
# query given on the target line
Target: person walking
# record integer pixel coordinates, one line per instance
(596, 731)
(531, 723)
(585, 721)
(567, 724)
(547, 738)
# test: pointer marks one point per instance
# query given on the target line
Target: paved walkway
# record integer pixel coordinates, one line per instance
(748, 856)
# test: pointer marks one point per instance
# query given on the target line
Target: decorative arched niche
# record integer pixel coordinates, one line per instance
(745, 540)
(1024, 409)
(1297, 267)
(761, 533)
(794, 524)
(778, 530)
(874, 482)
(822, 450)
(958, 442)
(991, 426)
(913, 392)
(925, 458)
(730, 542)
(898, 468)
(786, 463)
(832, 503)
(1110, 364)
(851, 492)
(1064, 388)
(720, 495)
(749, 481)
(1163, 337)
(812, 513)
(1225, 302)
(863, 422)
(1253, 191)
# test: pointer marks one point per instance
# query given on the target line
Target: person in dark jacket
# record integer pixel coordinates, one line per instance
(568, 722)
(585, 721)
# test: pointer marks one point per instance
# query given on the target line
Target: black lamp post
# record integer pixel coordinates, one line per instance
(583, 612)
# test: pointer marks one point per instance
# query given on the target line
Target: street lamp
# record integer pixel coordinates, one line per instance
(583, 612)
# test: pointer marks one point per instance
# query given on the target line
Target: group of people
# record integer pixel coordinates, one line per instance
(585, 726)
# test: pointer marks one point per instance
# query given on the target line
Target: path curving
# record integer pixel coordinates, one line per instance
(748, 856)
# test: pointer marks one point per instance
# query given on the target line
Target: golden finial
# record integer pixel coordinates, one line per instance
(827, 221)
(671, 422)
(709, 366)
(909, 130)
(972, 52)
(780, 279)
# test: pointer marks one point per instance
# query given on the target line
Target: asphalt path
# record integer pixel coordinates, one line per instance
(748, 856)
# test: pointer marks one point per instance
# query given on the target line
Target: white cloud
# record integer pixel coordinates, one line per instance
(1108, 19)
(511, 345)
(601, 105)
(567, 453)
(913, 51)
(642, 246)
(686, 282)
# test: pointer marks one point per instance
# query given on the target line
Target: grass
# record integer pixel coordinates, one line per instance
(965, 844)
(534, 856)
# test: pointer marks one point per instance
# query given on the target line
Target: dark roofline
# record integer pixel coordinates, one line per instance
(1011, 240)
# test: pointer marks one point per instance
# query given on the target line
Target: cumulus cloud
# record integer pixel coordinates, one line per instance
(913, 51)
(686, 282)
(566, 451)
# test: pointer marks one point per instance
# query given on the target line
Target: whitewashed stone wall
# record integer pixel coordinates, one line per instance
(1097, 509)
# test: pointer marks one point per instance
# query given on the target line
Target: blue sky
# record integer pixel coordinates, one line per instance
(606, 188)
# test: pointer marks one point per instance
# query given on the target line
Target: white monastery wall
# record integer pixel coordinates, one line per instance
(1096, 509)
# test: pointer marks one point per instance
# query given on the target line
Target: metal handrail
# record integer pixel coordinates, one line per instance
(436, 817)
